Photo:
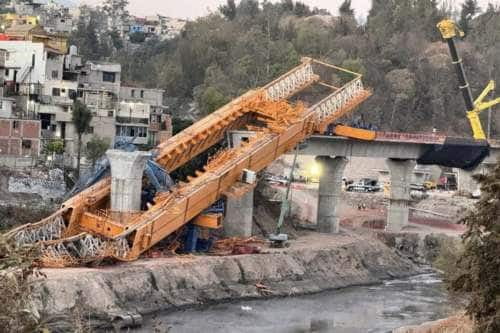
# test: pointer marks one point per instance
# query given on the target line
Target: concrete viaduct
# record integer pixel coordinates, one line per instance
(400, 151)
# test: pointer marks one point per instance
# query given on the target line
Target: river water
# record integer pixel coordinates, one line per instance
(377, 308)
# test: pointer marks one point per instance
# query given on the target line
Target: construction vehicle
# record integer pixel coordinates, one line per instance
(453, 152)
(430, 185)
(449, 30)
(85, 229)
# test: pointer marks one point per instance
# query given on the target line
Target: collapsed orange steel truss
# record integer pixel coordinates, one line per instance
(81, 231)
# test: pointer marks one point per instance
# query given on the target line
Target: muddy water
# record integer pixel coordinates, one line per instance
(378, 308)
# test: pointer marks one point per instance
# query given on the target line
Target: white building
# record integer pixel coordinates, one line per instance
(132, 122)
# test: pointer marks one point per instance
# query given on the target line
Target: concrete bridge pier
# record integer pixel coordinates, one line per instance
(239, 216)
(127, 169)
(401, 177)
(330, 191)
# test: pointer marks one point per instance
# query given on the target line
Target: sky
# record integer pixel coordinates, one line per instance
(195, 8)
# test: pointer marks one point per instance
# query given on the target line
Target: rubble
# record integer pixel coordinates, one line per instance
(48, 185)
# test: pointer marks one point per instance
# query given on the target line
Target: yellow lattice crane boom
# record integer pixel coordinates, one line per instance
(449, 30)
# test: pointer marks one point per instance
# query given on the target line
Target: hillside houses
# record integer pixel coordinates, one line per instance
(40, 83)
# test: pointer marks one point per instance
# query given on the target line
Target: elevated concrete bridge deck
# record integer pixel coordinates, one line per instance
(387, 145)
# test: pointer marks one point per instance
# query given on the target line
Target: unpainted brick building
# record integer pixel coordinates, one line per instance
(19, 137)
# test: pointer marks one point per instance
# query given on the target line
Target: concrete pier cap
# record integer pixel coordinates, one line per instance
(127, 169)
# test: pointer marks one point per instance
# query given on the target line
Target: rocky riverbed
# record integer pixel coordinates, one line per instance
(312, 263)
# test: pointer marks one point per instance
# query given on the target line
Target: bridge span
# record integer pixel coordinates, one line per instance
(401, 152)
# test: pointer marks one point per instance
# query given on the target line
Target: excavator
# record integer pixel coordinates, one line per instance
(281, 114)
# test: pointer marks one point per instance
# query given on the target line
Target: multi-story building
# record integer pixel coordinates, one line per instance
(43, 84)
(10, 19)
(19, 137)
(160, 122)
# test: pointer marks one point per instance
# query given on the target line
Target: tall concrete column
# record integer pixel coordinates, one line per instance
(401, 177)
(467, 185)
(127, 169)
(330, 190)
(239, 216)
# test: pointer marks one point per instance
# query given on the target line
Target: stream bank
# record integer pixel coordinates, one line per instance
(313, 263)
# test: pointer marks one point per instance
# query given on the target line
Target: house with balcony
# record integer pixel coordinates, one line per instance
(132, 122)
(160, 122)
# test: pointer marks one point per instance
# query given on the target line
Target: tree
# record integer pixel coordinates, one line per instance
(248, 8)
(55, 147)
(228, 10)
(211, 99)
(137, 37)
(345, 9)
(301, 9)
(81, 119)
(469, 9)
(480, 265)
(96, 148)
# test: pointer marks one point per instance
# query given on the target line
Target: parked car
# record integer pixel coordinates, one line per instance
(364, 185)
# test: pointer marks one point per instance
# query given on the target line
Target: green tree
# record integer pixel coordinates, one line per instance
(248, 8)
(480, 265)
(55, 147)
(228, 10)
(137, 37)
(469, 9)
(179, 125)
(345, 8)
(287, 5)
(301, 9)
(211, 99)
(96, 148)
(81, 119)
(90, 25)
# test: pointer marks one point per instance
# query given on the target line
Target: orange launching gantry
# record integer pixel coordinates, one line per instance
(283, 113)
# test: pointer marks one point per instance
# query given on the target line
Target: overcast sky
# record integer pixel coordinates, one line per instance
(195, 8)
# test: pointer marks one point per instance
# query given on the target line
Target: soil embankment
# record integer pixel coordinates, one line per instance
(455, 324)
(311, 264)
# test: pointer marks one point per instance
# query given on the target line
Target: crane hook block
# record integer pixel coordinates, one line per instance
(449, 29)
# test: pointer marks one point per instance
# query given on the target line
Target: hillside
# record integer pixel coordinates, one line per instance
(399, 50)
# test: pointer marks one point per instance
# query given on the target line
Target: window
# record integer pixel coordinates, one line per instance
(132, 93)
(110, 113)
(91, 130)
(15, 124)
(108, 77)
(55, 74)
(142, 93)
(26, 144)
(6, 72)
(72, 94)
(56, 92)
